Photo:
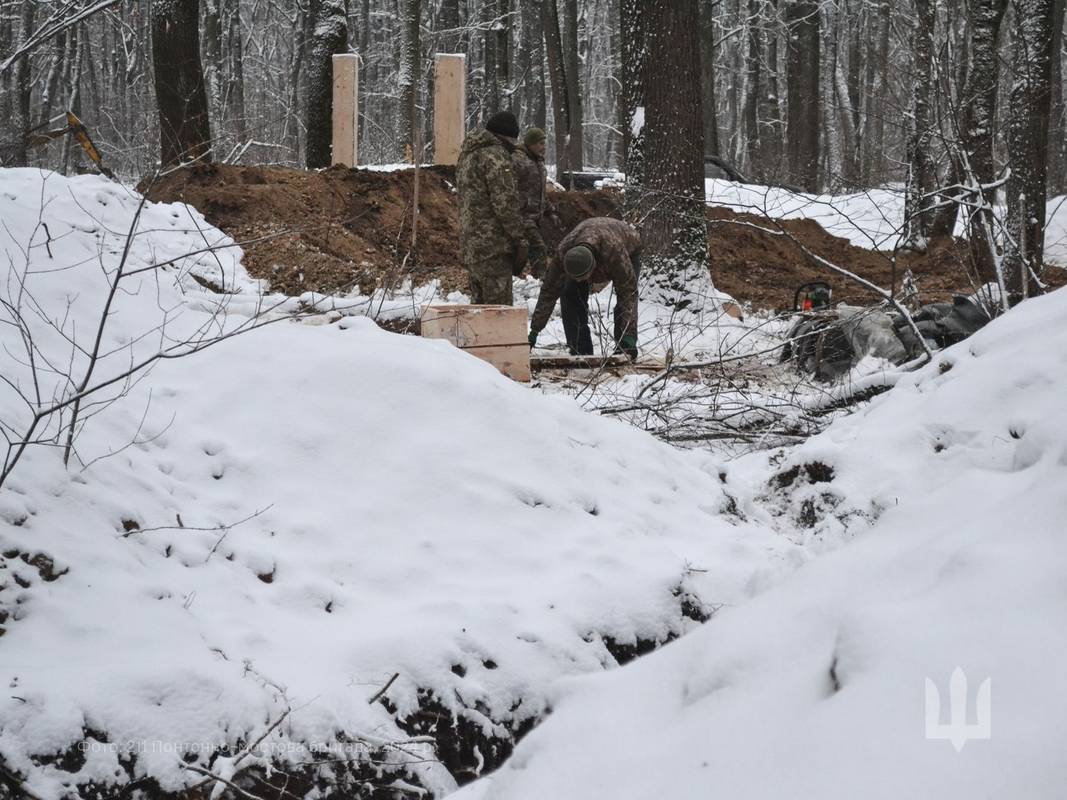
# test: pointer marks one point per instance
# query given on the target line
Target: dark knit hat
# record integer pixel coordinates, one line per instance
(533, 136)
(578, 262)
(503, 123)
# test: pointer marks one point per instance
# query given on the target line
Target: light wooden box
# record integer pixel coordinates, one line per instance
(496, 334)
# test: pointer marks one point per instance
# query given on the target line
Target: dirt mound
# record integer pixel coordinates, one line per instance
(331, 230)
(765, 268)
(326, 230)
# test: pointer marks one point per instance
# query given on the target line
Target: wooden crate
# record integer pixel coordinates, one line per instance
(496, 334)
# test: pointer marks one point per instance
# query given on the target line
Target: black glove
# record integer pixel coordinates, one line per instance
(628, 345)
(532, 338)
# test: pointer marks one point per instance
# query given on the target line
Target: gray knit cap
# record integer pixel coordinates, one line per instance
(578, 262)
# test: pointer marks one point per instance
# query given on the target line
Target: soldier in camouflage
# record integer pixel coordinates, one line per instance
(597, 251)
(491, 234)
(531, 178)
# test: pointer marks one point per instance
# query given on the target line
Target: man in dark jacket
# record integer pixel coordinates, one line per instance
(531, 177)
(597, 251)
(491, 234)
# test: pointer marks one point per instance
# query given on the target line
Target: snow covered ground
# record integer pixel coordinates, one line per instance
(254, 540)
(285, 520)
(818, 688)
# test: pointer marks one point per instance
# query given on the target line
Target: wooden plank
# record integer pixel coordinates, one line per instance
(577, 362)
(449, 106)
(475, 326)
(496, 334)
(345, 109)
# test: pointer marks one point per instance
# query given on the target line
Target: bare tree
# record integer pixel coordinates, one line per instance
(557, 74)
(1032, 32)
(410, 75)
(921, 178)
(329, 35)
(979, 102)
(667, 147)
(571, 73)
(802, 81)
(184, 127)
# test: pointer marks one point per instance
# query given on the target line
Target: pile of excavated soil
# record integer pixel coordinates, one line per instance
(339, 228)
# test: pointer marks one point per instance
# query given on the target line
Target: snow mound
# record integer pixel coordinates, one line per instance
(818, 687)
(255, 539)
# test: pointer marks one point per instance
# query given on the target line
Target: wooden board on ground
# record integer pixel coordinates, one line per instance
(577, 362)
(496, 334)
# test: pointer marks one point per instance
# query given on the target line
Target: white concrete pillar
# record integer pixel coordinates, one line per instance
(449, 106)
(345, 109)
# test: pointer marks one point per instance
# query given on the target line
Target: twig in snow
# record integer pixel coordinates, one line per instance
(378, 694)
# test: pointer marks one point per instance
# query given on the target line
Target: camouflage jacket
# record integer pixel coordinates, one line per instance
(613, 243)
(530, 177)
(490, 226)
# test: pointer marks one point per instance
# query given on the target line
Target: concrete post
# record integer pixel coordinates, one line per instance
(449, 106)
(345, 109)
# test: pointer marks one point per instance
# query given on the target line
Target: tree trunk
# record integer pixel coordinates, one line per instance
(184, 127)
(557, 78)
(1028, 146)
(832, 149)
(872, 156)
(752, 84)
(707, 79)
(449, 34)
(575, 115)
(23, 89)
(213, 66)
(918, 218)
(1057, 177)
(502, 48)
(802, 80)
(770, 118)
(847, 116)
(236, 79)
(979, 101)
(329, 35)
(410, 71)
(667, 123)
(536, 108)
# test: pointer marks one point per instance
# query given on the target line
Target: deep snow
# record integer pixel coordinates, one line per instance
(356, 504)
(412, 512)
(817, 687)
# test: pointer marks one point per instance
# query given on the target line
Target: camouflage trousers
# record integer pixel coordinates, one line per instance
(490, 281)
(537, 251)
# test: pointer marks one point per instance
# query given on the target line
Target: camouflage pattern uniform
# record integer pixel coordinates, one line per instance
(616, 246)
(531, 177)
(490, 228)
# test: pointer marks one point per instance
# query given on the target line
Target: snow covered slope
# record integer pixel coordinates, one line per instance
(286, 520)
(817, 688)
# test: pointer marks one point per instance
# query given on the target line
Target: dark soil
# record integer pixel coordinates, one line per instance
(328, 231)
